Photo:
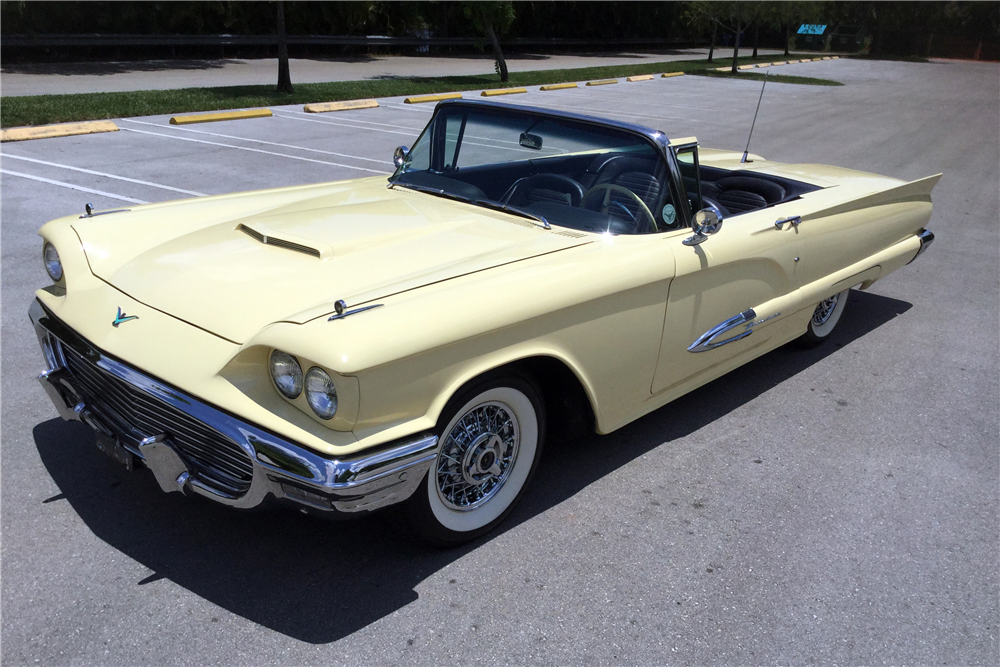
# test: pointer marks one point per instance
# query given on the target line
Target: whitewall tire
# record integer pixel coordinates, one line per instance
(490, 440)
(824, 318)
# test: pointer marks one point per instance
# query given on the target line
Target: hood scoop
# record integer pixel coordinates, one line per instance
(267, 236)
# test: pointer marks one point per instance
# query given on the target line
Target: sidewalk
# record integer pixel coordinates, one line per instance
(96, 77)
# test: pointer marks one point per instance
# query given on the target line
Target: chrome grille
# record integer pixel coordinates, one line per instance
(133, 415)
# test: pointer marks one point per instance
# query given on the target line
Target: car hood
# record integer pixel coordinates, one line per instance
(235, 263)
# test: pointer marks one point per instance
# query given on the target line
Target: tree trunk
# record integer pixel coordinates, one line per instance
(756, 36)
(788, 36)
(736, 45)
(711, 47)
(498, 54)
(284, 78)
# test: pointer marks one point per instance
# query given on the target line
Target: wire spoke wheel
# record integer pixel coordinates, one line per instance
(824, 311)
(490, 437)
(477, 455)
(824, 319)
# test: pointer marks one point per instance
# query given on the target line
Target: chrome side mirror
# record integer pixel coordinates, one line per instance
(399, 156)
(706, 222)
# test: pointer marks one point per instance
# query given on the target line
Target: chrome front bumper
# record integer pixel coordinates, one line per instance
(198, 448)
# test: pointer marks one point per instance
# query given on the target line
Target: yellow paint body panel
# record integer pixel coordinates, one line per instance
(667, 75)
(462, 290)
(60, 130)
(602, 82)
(559, 86)
(420, 99)
(503, 91)
(224, 115)
(344, 105)
(642, 77)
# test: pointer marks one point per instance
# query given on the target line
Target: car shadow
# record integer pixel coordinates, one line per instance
(318, 581)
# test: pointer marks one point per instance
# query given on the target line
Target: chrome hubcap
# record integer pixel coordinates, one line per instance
(824, 310)
(477, 456)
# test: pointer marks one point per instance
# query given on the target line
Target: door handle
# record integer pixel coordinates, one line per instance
(794, 220)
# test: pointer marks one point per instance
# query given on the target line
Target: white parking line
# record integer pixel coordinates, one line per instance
(603, 98)
(252, 150)
(105, 175)
(350, 119)
(424, 108)
(73, 187)
(260, 141)
(341, 124)
(615, 112)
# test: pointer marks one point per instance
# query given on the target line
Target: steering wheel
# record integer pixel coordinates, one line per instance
(608, 188)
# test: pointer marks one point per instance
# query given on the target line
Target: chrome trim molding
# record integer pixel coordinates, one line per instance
(281, 468)
(341, 313)
(89, 208)
(926, 238)
(707, 341)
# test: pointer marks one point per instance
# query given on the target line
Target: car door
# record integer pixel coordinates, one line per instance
(712, 315)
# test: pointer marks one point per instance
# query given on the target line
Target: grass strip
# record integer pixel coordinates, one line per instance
(45, 109)
(774, 78)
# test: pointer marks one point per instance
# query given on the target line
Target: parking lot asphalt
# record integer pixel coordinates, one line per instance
(831, 506)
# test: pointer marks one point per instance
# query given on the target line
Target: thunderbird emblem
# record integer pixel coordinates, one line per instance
(122, 317)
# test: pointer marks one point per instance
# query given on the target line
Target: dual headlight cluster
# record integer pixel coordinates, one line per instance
(321, 393)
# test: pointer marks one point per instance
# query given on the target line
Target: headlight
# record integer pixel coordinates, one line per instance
(53, 265)
(286, 373)
(321, 393)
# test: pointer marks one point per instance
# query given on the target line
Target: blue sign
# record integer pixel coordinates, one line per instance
(807, 29)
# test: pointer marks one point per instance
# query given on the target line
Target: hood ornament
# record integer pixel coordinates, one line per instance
(122, 317)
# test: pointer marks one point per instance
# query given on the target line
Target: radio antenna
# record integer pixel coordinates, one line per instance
(747, 151)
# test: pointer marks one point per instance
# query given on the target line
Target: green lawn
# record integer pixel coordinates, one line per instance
(45, 109)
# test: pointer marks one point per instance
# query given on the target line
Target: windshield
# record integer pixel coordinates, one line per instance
(554, 170)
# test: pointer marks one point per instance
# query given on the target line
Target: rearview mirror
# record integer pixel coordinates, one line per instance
(532, 141)
(400, 155)
(705, 223)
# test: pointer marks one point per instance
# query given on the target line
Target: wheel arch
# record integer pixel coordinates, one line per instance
(570, 406)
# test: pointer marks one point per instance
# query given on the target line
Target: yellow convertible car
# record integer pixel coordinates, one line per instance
(347, 346)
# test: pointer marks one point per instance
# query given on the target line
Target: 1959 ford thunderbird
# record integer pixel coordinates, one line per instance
(347, 346)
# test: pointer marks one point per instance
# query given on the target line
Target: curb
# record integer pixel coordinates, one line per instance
(667, 75)
(641, 77)
(225, 115)
(58, 130)
(503, 91)
(346, 105)
(558, 86)
(602, 82)
(420, 99)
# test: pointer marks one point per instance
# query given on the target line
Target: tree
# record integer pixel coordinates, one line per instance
(284, 78)
(493, 18)
(700, 22)
(787, 15)
(733, 16)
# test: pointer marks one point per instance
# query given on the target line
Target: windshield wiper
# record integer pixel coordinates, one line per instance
(507, 208)
(434, 191)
